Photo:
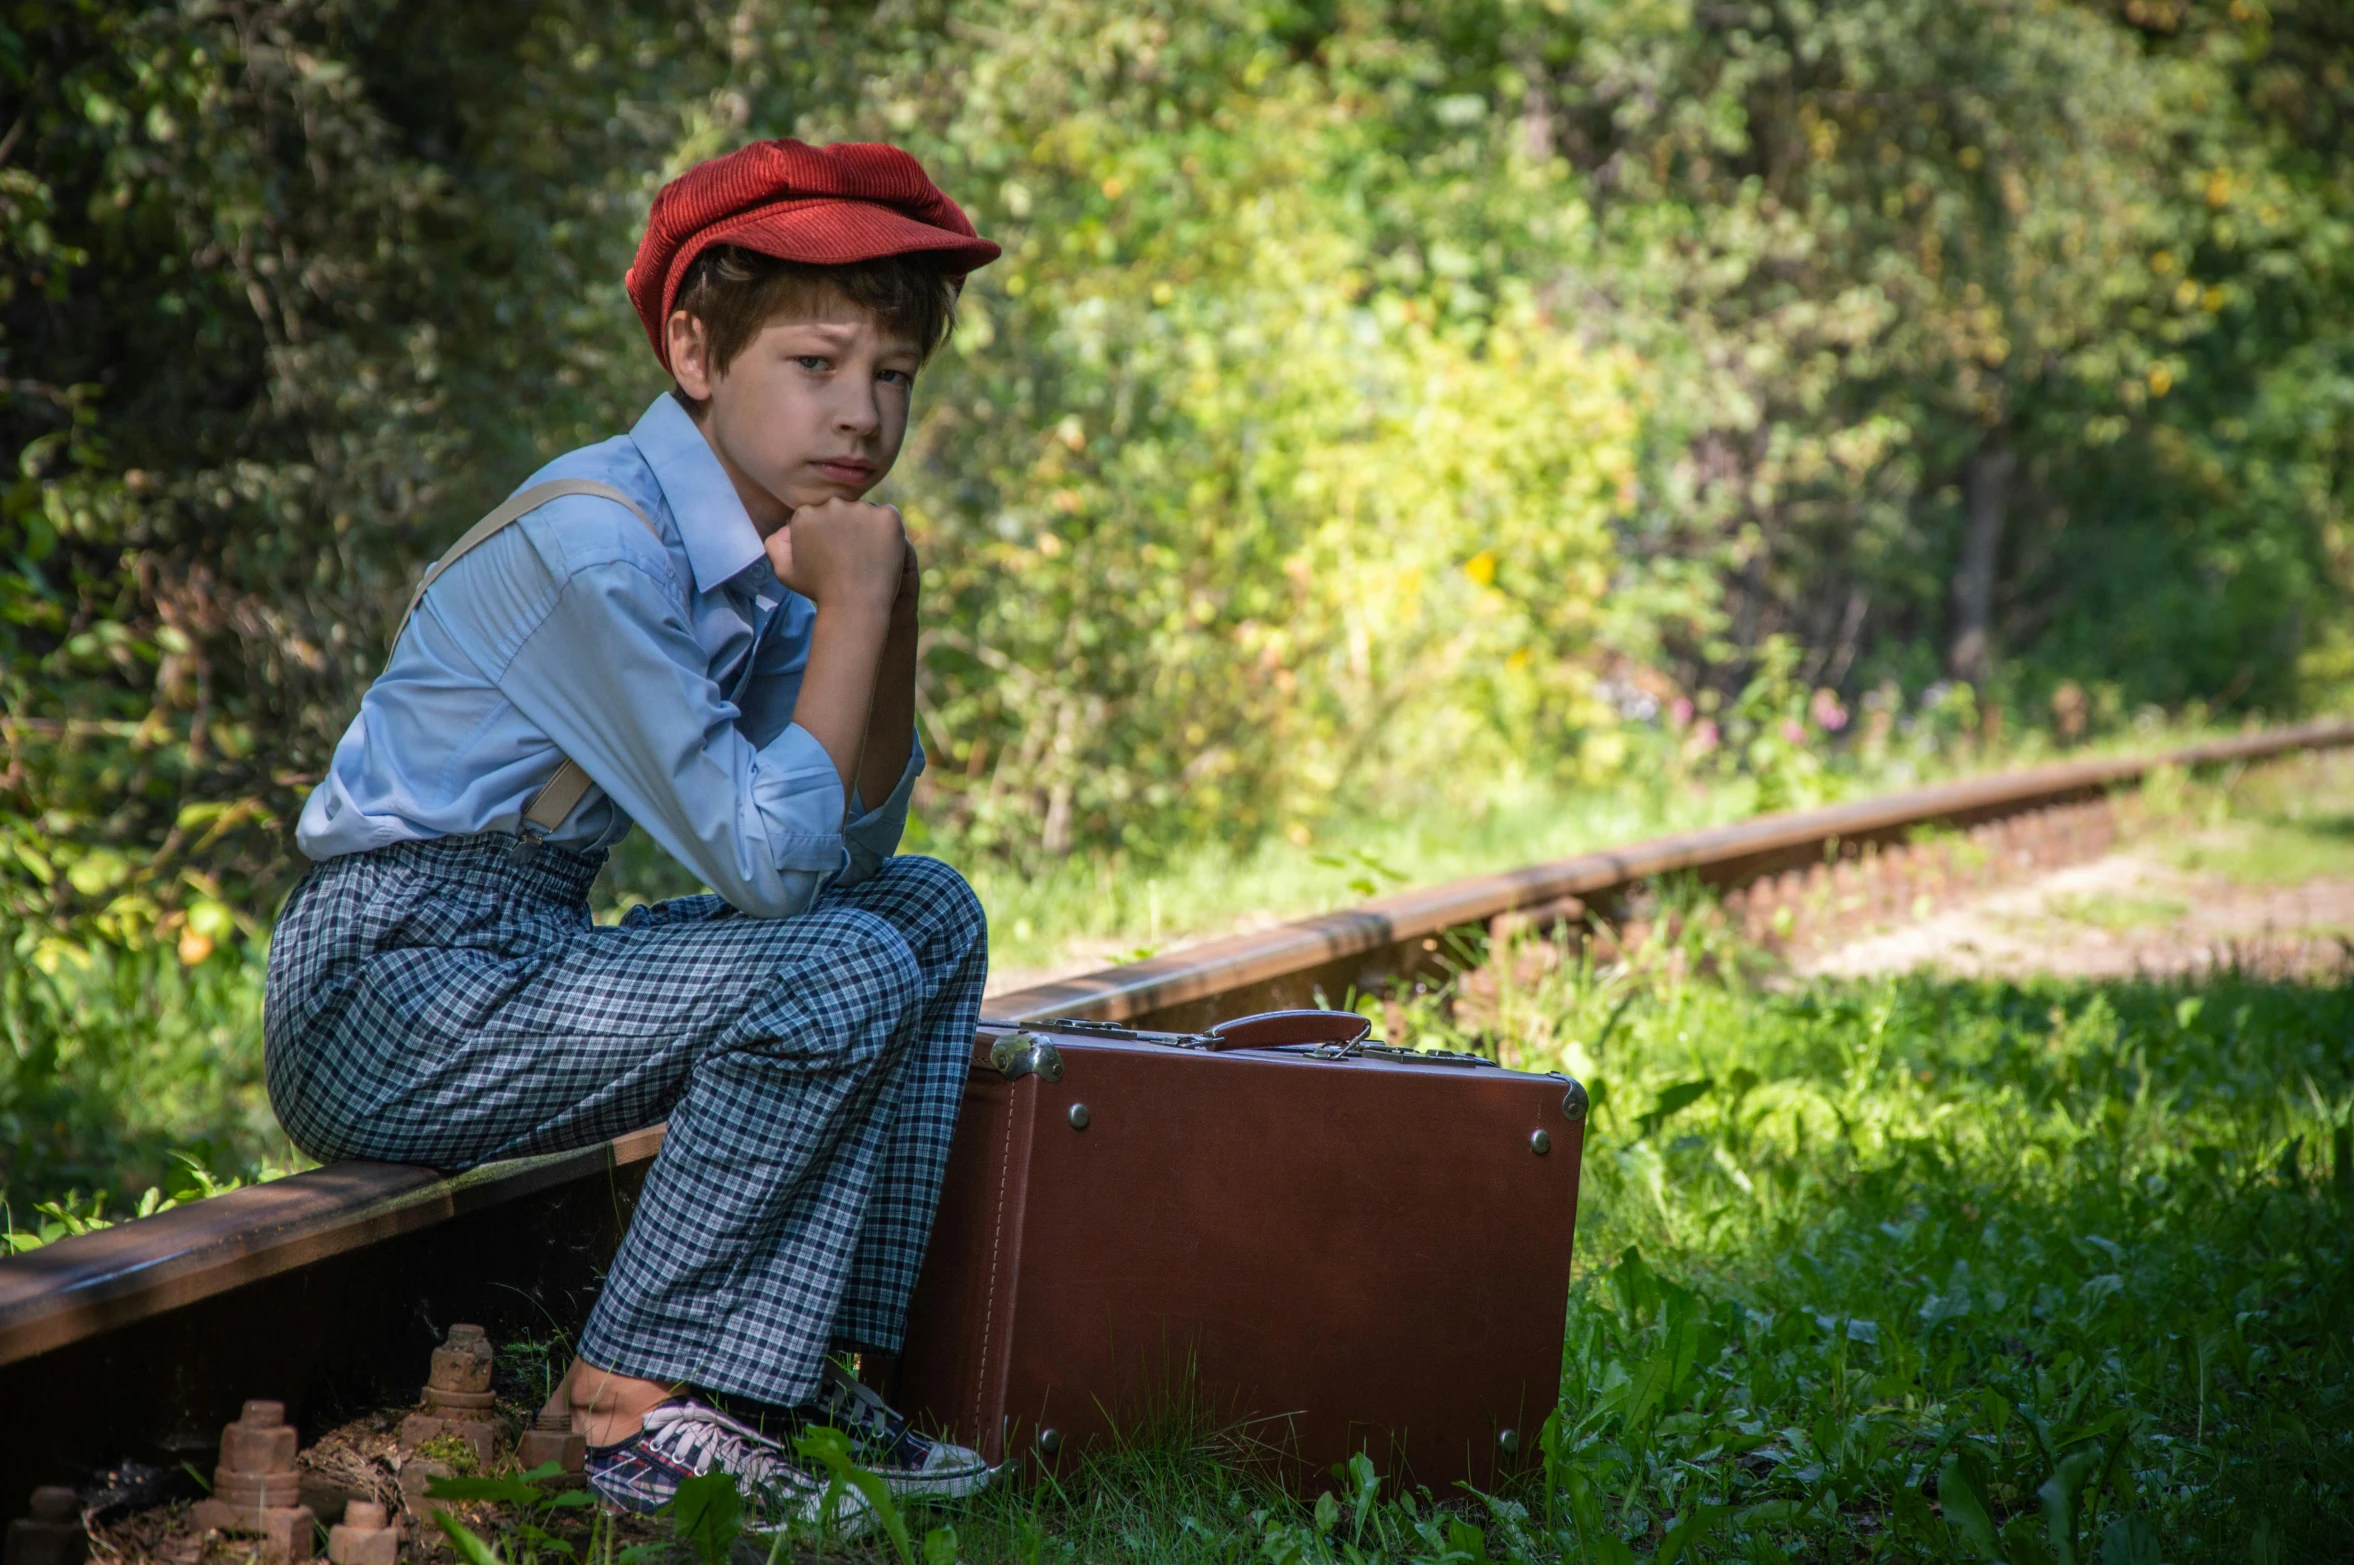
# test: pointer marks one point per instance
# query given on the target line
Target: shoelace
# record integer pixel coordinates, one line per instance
(861, 1411)
(702, 1438)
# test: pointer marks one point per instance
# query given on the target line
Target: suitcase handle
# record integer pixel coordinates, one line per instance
(1283, 1029)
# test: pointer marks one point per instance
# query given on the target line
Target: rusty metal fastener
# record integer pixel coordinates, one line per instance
(459, 1403)
(53, 1534)
(463, 1362)
(256, 1471)
(551, 1439)
(364, 1537)
(416, 1474)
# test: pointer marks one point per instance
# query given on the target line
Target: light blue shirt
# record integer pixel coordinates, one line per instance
(666, 668)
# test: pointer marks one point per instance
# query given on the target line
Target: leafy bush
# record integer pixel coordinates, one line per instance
(128, 1070)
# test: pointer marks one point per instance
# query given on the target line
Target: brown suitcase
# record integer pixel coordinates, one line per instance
(1319, 1248)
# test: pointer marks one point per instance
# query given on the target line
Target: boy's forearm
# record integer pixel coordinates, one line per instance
(891, 727)
(838, 687)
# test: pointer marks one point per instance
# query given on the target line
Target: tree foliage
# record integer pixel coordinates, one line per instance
(1373, 395)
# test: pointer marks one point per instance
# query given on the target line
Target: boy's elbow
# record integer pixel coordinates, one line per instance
(789, 894)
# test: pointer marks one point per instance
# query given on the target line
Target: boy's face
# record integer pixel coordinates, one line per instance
(813, 409)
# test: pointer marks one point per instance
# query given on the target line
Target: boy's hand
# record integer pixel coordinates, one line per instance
(842, 554)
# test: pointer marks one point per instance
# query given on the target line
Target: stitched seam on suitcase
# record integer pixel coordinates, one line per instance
(989, 1310)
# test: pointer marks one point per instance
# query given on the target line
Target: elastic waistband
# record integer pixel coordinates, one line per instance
(490, 861)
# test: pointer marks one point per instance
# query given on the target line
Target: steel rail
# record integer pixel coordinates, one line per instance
(283, 1281)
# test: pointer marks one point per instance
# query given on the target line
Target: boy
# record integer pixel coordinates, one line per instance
(700, 627)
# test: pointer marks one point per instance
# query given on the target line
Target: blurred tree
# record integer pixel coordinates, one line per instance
(1907, 261)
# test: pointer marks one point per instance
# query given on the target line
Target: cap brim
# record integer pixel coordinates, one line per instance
(828, 231)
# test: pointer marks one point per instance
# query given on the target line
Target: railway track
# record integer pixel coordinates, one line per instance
(328, 1288)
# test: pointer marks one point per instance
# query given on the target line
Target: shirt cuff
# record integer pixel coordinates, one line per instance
(872, 835)
(799, 796)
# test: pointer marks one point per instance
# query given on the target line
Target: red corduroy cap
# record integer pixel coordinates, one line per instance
(826, 206)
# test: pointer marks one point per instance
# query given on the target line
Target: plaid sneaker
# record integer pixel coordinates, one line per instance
(912, 1465)
(685, 1438)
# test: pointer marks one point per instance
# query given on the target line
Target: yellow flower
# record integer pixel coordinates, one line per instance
(1481, 567)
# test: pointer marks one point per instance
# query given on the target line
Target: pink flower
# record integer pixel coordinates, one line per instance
(1828, 714)
(1680, 714)
(1704, 737)
(1793, 730)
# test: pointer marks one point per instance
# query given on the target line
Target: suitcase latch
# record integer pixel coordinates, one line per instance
(1020, 1054)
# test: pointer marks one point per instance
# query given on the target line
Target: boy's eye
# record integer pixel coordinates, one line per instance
(895, 377)
(812, 361)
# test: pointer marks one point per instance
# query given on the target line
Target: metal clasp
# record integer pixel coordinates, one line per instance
(1020, 1054)
(528, 838)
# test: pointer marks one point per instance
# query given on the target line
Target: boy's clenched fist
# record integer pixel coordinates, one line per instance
(842, 554)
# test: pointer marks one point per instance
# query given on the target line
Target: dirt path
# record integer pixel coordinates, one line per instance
(2130, 913)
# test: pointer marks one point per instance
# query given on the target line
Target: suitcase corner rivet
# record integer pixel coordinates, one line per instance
(1540, 1143)
(1079, 1118)
(1509, 1439)
(1050, 1441)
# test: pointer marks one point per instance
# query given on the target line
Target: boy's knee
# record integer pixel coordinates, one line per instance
(937, 886)
(864, 960)
(843, 987)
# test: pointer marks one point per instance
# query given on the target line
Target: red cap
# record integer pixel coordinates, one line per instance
(826, 206)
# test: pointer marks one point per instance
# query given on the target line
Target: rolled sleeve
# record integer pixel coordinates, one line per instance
(872, 836)
(615, 679)
(798, 793)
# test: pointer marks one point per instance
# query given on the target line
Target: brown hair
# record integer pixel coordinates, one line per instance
(736, 292)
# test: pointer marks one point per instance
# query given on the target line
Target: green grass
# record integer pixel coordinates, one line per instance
(1910, 1269)
(2108, 910)
(2284, 825)
(2075, 1256)
(2267, 853)
(1860, 1265)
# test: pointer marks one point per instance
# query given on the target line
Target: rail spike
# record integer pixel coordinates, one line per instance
(256, 1489)
(53, 1533)
(459, 1404)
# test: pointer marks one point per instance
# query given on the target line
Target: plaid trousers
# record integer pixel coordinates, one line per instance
(443, 1003)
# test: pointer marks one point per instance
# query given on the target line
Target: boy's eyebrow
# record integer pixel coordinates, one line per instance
(830, 328)
(839, 329)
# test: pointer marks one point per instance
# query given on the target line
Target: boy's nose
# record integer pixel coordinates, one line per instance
(859, 413)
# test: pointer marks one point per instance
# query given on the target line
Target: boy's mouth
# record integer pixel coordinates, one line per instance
(846, 469)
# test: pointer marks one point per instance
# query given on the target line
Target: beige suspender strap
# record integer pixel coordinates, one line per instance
(560, 794)
(557, 796)
(520, 506)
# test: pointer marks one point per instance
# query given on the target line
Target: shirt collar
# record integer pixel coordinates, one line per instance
(721, 542)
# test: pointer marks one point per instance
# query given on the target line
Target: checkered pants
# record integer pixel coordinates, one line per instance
(442, 1003)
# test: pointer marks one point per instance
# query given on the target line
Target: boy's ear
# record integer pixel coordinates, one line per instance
(689, 364)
